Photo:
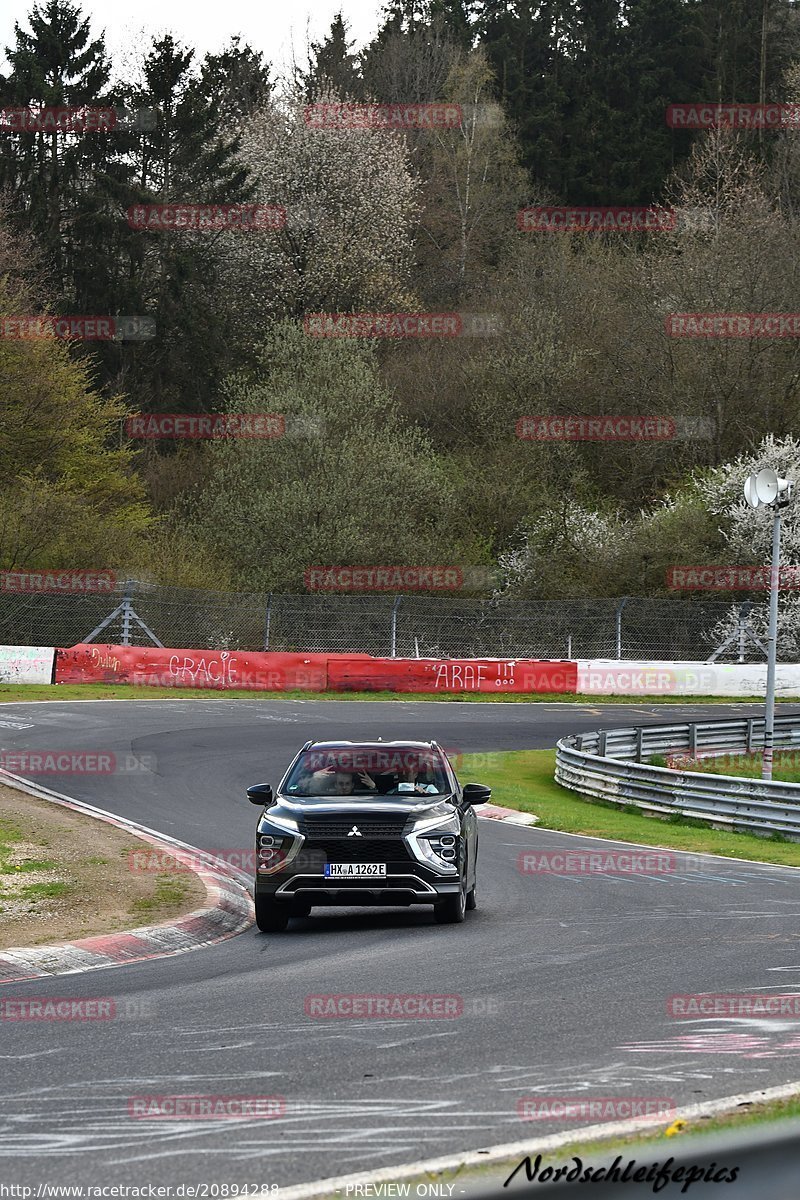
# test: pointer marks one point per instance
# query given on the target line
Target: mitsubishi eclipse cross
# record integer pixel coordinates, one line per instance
(366, 823)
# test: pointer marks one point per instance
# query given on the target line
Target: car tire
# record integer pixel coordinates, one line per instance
(452, 910)
(472, 894)
(271, 915)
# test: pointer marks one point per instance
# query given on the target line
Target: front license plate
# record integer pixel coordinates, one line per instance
(355, 870)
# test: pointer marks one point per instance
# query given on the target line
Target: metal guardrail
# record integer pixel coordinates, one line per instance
(612, 765)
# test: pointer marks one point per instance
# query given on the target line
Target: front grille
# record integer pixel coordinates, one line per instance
(361, 849)
(370, 827)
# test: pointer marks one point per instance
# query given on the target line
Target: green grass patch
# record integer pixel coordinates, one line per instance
(111, 691)
(9, 834)
(168, 890)
(51, 890)
(30, 864)
(523, 779)
(740, 1118)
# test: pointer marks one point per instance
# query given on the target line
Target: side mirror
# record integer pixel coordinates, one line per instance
(476, 793)
(260, 793)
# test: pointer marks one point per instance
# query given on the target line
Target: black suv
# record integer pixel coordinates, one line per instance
(366, 823)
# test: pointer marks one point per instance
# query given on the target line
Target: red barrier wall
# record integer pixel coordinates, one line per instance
(223, 669)
(451, 675)
(276, 672)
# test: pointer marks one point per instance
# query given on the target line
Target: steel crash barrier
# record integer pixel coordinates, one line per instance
(614, 765)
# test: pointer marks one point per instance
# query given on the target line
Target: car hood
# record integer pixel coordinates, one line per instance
(346, 806)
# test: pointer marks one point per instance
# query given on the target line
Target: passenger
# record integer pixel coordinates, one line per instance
(330, 781)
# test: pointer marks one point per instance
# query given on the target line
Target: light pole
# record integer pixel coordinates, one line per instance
(766, 488)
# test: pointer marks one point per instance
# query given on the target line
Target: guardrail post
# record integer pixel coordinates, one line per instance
(639, 733)
(601, 743)
(748, 745)
(692, 727)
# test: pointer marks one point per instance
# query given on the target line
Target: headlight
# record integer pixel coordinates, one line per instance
(434, 841)
(443, 845)
(274, 848)
(272, 852)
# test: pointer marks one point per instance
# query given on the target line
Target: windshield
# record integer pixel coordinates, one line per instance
(363, 771)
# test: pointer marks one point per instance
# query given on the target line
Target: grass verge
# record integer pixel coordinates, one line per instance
(785, 765)
(677, 1138)
(112, 691)
(64, 875)
(523, 779)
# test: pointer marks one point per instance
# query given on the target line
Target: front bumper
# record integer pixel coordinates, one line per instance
(405, 883)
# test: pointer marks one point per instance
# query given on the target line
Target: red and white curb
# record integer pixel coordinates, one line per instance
(495, 812)
(227, 912)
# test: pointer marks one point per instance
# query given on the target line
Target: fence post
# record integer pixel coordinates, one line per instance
(744, 609)
(618, 622)
(395, 606)
(267, 618)
(126, 612)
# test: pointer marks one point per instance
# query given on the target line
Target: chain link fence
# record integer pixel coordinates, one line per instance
(406, 626)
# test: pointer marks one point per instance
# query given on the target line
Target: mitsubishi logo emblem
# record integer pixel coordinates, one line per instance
(354, 832)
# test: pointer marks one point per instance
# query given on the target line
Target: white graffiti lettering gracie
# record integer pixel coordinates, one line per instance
(214, 672)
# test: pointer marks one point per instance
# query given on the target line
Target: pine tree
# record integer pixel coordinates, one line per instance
(333, 68)
(56, 179)
(188, 158)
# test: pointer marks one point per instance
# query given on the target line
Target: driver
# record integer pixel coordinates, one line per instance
(422, 782)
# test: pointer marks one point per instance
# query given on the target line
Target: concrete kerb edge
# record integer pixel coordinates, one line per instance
(228, 910)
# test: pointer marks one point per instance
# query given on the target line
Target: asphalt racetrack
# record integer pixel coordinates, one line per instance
(564, 979)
